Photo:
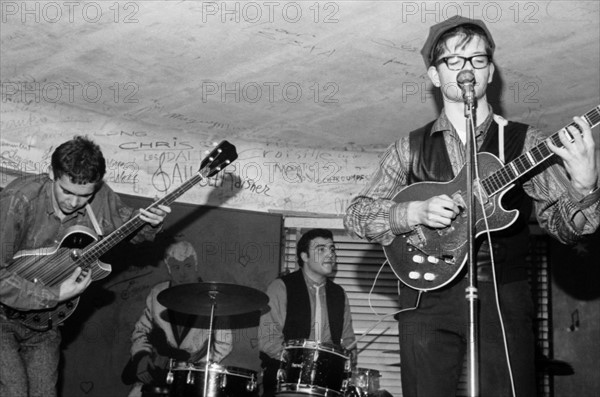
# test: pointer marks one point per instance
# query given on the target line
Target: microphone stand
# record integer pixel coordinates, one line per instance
(471, 290)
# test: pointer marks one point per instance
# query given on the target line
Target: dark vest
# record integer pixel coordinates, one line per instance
(429, 161)
(298, 316)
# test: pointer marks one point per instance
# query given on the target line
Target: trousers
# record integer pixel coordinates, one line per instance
(29, 360)
(433, 340)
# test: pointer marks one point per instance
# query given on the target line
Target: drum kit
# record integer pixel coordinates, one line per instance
(308, 368)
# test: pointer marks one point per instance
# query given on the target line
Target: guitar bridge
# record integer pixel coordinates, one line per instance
(417, 238)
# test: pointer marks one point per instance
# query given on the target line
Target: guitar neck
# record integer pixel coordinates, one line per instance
(497, 181)
(97, 250)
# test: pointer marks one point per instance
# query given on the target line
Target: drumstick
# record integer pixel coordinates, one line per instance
(353, 344)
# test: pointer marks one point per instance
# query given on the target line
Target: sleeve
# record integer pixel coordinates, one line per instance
(15, 291)
(348, 335)
(142, 329)
(373, 214)
(270, 331)
(556, 202)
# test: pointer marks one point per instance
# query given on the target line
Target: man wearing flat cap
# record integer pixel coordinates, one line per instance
(564, 195)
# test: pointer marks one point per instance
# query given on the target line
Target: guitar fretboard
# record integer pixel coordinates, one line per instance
(222, 156)
(506, 175)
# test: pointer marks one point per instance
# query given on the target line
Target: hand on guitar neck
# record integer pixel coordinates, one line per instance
(578, 155)
(74, 285)
(155, 215)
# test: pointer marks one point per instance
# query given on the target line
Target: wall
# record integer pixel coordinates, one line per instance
(147, 161)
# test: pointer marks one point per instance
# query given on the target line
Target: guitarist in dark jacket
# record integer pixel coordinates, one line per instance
(563, 192)
(35, 213)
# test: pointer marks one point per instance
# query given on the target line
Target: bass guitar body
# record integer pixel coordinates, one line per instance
(50, 267)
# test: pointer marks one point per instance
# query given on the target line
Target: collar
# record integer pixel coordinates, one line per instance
(311, 283)
(49, 196)
(443, 124)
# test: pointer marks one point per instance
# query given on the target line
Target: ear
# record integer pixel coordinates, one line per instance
(434, 76)
(304, 257)
(492, 70)
(51, 173)
(168, 267)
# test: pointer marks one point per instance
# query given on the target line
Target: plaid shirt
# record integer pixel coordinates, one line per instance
(373, 214)
(28, 221)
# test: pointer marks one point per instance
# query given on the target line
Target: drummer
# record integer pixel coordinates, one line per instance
(161, 335)
(305, 304)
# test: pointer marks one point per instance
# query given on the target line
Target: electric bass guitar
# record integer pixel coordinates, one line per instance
(426, 258)
(80, 247)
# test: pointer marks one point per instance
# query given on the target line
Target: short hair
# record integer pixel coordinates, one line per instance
(305, 240)
(181, 250)
(81, 159)
(468, 32)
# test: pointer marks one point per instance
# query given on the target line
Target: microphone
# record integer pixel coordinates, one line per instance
(466, 82)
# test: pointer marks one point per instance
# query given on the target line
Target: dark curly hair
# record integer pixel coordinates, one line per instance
(81, 159)
(305, 240)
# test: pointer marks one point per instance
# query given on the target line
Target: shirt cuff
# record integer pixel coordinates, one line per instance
(398, 218)
(582, 202)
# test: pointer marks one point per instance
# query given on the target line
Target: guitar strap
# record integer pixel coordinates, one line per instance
(94, 221)
(502, 122)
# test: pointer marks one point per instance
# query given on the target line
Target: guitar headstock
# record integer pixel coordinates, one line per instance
(219, 158)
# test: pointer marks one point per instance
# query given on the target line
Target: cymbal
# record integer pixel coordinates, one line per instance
(198, 298)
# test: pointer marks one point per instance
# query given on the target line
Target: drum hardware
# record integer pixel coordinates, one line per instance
(252, 384)
(170, 376)
(213, 299)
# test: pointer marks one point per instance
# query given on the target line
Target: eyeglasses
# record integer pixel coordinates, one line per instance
(456, 62)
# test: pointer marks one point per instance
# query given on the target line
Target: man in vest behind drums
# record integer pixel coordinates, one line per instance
(307, 309)
(433, 336)
(164, 339)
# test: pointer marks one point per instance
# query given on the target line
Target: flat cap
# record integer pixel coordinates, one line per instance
(437, 30)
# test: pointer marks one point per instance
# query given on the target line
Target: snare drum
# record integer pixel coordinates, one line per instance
(312, 368)
(187, 380)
